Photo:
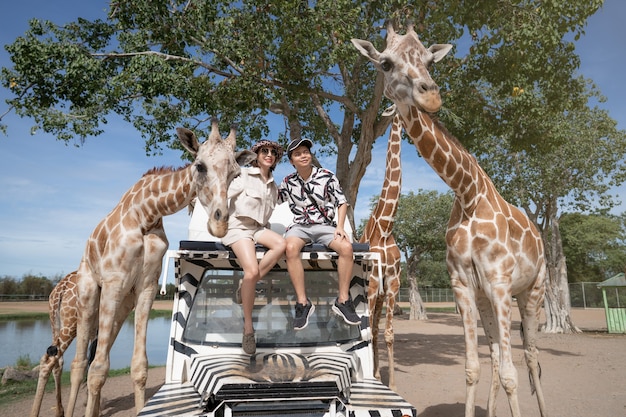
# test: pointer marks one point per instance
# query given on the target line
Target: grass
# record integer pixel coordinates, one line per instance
(23, 316)
(16, 391)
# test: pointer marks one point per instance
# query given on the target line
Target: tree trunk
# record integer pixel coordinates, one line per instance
(557, 303)
(418, 310)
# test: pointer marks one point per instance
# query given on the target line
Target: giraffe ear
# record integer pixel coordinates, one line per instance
(245, 157)
(188, 140)
(366, 48)
(439, 50)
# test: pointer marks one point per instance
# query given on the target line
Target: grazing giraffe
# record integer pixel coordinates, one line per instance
(494, 250)
(378, 233)
(123, 255)
(63, 311)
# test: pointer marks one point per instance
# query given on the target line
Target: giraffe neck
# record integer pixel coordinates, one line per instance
(450, 160)
(161, 192)
(381, 222)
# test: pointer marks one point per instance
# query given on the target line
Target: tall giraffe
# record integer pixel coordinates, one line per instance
(124, 253)
(378, 233)
(494, 251)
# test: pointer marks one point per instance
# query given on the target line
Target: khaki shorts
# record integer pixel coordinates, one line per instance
(243, 228)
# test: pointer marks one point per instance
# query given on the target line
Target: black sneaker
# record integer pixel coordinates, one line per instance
(346, 311)
(303, 312)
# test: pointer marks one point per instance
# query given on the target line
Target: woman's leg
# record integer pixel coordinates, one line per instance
(276, 246)
(246, 255)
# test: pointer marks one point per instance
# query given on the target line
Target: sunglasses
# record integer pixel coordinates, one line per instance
(266, 151)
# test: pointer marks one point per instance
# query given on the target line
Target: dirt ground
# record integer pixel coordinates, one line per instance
(583, 374)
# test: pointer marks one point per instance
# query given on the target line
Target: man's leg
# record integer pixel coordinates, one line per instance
(304, 308)
(343, 305)
(295, 268)
(345, 264)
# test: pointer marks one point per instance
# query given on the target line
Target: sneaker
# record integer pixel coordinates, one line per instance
(248, 343)
(346, 311)
(303, 312)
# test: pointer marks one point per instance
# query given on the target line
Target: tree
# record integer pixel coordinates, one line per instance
(35, 285)
(161, 63)
(511, 85)
(581, 159)
(594, 246)
(420, 229)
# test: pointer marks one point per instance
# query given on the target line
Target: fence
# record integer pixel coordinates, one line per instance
(582, 295)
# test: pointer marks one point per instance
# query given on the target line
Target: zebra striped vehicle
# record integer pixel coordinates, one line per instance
(325, 369)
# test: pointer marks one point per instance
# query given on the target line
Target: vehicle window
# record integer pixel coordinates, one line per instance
(216, 316)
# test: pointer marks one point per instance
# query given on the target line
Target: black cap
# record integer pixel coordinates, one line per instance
(298, 142)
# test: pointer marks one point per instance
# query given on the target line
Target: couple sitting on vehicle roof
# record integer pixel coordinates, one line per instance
(313, 194)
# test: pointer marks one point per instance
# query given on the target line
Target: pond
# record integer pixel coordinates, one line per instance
(31, 338)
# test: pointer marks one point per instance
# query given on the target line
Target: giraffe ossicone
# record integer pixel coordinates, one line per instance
(494, 252)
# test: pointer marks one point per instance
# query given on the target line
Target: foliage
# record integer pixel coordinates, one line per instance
(594, 246)
(588, 147)
(419, 229)
(41, 287)
(28, 285)
(160, 63)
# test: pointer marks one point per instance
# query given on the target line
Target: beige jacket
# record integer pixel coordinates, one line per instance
(249, 196)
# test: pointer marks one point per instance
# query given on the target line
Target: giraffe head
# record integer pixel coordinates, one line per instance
(214, 167)
(404, 63)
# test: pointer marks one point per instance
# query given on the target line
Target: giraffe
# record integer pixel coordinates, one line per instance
(123, 255)
(378, 233)
(63, 311)
(494, 252)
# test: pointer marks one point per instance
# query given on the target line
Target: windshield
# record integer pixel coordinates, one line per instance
(216, 316)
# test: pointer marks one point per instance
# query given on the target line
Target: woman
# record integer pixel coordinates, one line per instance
(252, 198)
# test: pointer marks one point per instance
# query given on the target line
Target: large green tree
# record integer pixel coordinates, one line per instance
(160, 63)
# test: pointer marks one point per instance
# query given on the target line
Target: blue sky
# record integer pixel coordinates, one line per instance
(53, 195)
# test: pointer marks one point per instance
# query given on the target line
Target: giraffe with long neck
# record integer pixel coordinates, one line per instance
(378, 232)
(494, 252)
(123, 255)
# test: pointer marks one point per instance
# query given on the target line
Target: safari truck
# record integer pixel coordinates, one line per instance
(325, 369)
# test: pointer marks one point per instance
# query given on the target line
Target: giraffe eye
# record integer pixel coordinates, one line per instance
(385, 65)
(201, 168)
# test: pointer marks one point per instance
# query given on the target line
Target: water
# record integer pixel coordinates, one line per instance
(21, 338)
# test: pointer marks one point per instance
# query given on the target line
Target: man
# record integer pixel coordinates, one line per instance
(314, 194)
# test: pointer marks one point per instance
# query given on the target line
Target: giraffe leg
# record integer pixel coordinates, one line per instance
(110, 302)
(502, 300)
(491, 332)
(389, 338)
(88, 297)
(46, 365)
(376, 306)
(57, 372)
(155, 246)
(467, 308)
(529, 312)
